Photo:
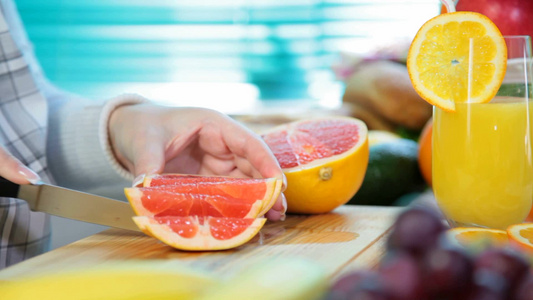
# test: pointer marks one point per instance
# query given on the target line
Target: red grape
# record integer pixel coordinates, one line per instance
(401, 276)
(506, 262)
(416, 230)
(354, 283)
(524, 290)
(447, 272)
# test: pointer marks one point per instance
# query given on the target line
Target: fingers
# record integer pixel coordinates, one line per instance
(148, 159)
(13, 170)
(251, 149)
(277, 212)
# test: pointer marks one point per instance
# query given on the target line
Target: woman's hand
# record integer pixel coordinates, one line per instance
(151, 139)
(14, 170)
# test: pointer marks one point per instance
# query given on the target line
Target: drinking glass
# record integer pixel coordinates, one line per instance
(482, 153)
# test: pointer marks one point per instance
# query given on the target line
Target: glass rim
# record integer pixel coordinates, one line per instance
(517, 36)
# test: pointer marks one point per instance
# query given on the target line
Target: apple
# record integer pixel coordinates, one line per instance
(513, 17)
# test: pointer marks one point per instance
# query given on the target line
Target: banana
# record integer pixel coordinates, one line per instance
(137, 280)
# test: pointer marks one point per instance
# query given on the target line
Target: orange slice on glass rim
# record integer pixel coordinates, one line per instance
(521, 236)
(457, 57)
(476, 237)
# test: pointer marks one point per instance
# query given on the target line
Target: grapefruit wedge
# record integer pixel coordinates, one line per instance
(324, 161)
(201, 233)
(191, 212)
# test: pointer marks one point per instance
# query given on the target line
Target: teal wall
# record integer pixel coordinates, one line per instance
(282, 47)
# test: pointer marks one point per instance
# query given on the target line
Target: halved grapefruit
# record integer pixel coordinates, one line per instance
(201, 233)
(324, 161)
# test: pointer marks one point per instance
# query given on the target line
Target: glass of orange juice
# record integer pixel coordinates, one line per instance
(482, 153)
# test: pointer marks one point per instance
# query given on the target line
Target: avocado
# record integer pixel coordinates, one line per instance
(392, 172)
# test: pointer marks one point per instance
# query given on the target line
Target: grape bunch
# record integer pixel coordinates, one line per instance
(421, 264)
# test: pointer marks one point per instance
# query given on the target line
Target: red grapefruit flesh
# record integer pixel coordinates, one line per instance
(309, 141)
(199, 233)
(242, 189)
(164, 201)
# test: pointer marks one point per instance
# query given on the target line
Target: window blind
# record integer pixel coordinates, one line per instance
(281, 49)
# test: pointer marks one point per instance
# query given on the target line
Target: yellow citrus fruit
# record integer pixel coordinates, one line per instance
(200, 233)
(457, 57)
(474, 236)
(117, 280)
(324, 161)
(521, 236)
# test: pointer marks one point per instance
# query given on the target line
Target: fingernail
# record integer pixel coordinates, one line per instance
(284, 204)
(282, 217)
(31, 176)
(138, 180)
(284, 185)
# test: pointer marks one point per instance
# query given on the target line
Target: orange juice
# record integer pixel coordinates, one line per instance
(482, 162)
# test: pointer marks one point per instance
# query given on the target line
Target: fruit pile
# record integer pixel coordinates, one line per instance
(421, 263)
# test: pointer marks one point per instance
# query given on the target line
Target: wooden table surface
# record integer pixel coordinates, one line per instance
(348, 238)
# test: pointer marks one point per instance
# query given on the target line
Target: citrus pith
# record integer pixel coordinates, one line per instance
(323, 159)
(457, 57)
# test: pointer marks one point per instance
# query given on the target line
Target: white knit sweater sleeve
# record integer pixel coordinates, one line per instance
(78, 149)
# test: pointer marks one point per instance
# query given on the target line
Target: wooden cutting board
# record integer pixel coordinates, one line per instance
(348, 238)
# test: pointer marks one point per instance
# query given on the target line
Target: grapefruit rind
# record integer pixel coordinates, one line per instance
(202, 241)
(307, 192)
(134, 196)
(499, 62)
(276, 191)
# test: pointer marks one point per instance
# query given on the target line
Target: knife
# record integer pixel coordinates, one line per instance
(71, 204)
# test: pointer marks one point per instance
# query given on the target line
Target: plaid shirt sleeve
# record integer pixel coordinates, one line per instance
(75, 154)
(23, 126)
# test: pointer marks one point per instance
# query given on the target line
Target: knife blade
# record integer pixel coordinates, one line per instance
(71, 204)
